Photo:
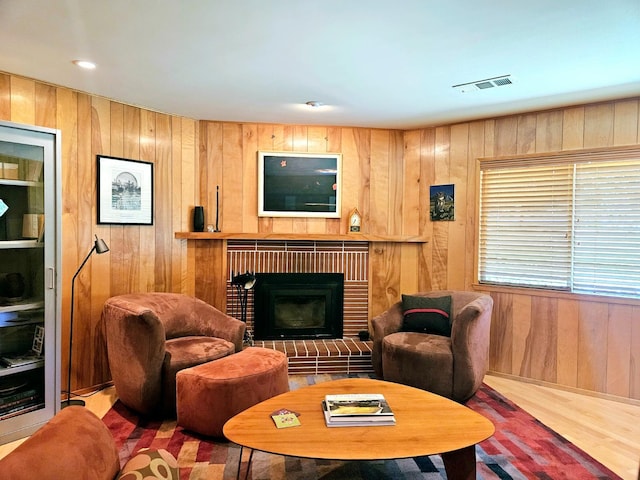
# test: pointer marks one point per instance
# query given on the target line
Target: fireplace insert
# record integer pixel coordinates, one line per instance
(298, 306)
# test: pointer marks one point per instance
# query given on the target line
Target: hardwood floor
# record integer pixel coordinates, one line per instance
(608, 430)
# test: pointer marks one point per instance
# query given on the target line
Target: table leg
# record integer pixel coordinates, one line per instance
(246, 474)
(460, 464)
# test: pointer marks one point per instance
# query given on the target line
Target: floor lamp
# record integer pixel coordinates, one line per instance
(99, 247)
(243, 283)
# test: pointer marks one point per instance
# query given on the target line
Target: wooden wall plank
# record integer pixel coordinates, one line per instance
(23, 93)
(634, 377)
(396, 170)
(231, 176)
(548, 131)
(567, 346)
(618, 360)
(544, 338)
(592, 346)
(45, 105)
(163, 205)
(147, 247)
(411, 184)
(625, 123)
(526, 134)
(67, 112)
(522, 335)
(573, 128)
(249, 178)
(459, 177)
(351, 180)
(427, 178)
(505, 136)
(5, 97)
(501, 346)
(379, 199)
(598, 125)
(476, 150)
(131, 135)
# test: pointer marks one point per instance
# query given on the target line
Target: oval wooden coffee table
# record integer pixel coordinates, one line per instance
(426, 424)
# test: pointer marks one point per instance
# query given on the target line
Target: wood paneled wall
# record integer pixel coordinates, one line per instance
(578, 342)
(375, 179)
(141, 258)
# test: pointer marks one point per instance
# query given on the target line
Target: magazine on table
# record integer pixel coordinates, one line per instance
(356, 420)
(357, 405)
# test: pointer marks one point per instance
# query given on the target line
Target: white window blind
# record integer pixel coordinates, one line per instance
(566, 221)
(607, 229)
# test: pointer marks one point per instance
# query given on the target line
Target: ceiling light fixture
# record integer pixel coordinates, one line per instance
(84, 64)
(315, 104)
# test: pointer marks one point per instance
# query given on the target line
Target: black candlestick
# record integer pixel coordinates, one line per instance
(217, 207)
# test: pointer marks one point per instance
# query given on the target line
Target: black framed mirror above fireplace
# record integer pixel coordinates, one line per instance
(298, 306)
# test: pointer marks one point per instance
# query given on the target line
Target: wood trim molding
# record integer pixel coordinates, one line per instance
(351, 237)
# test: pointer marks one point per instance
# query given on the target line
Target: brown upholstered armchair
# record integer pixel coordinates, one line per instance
(452, 366)
(151, 336)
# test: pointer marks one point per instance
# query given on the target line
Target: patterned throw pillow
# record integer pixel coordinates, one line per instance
(151, 464)
(426, 315)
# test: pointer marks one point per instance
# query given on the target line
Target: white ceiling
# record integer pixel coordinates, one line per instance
(374, 63)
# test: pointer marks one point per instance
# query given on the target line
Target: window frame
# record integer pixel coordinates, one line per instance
(619, 153)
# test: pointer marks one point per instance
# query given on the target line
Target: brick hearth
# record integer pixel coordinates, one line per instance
(311, 357)
(315, 357)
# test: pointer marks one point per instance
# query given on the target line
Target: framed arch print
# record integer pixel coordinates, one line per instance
(125, 191)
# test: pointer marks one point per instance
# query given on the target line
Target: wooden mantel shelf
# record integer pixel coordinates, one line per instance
(351, 237)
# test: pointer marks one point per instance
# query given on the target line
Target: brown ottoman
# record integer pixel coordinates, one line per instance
(209, 394)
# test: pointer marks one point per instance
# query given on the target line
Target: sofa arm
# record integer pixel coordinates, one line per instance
(382, 325)
(136, 351)
(219, 324)
(470, 344)
(75, 443)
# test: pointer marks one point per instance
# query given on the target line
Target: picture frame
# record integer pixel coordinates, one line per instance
(299, 184)
(442, 202)
(125, 191)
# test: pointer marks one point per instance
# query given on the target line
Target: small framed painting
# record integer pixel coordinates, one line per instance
(442, 202)
(125, 191)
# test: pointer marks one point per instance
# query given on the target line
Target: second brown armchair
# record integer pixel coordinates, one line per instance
(450, 359)
(151, 336)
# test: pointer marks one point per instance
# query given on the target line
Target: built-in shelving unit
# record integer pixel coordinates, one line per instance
(29, 278)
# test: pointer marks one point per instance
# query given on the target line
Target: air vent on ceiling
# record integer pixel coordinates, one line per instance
(484, 84)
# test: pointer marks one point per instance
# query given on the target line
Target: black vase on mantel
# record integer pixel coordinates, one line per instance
(198, 219)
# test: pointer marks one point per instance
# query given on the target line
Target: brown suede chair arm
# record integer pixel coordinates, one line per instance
(384, 324)
(136, 350)
(470, 344)
(220, 325)
(73, 444)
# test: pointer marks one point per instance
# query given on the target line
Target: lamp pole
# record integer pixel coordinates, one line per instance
(243, 283)
(99, 246)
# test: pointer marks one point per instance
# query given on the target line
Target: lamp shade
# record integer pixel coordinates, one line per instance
(101, 247)
(245, 280)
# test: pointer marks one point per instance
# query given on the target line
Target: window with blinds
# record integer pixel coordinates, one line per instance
(569, 221)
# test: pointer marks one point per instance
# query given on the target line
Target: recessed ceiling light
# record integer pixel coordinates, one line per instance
(315, 104)
(85, 64)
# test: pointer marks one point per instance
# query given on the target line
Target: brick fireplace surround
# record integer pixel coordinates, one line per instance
(310, 357)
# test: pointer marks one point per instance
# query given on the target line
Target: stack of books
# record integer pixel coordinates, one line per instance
(19, 402)
(357, 410)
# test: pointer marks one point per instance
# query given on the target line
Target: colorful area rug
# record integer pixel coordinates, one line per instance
(521, 448)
